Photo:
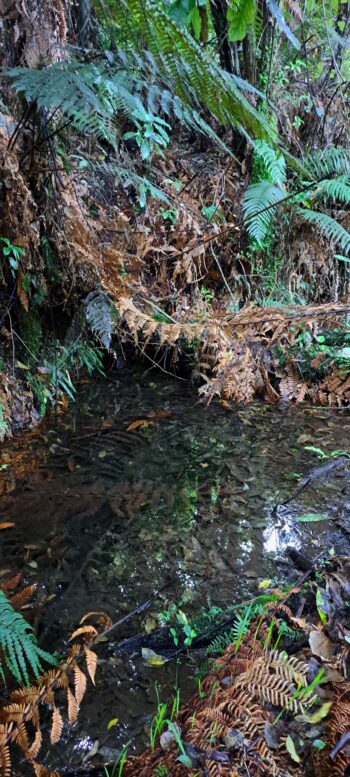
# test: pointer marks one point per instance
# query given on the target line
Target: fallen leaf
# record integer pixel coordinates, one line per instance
(141, 423)
(291, 749)
(7, 525)
(308, 517)
(112, 723)
(153, 659)
(91, 752)
(321, 713)
(320, 645)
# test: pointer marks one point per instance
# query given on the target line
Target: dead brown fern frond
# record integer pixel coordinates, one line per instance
(64, 686)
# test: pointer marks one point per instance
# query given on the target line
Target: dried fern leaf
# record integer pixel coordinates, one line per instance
(79, 685)
(22, 597)
(87, 631)
(91, 663)
(57, 726)
(35, 746)
(73, 707)
(5, 758)
(10, 585)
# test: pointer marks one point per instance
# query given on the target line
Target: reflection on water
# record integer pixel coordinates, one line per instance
(140, 492)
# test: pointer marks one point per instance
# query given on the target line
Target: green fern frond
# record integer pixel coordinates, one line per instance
(71, 88)
(273, 161)
(193, 75)
(323, 164)
(335, 189)
(257, 197)
(98, 314)
(329, 227)
(19, 645)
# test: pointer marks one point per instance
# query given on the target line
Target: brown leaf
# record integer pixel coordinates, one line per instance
(79, 685)
(7, 525)
(86, 630)
(57, 726)
(320, 645)
(91, 663)
(36, 745)
(141, 423)
(73, 707)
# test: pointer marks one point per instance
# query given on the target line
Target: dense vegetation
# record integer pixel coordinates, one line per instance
(176, 174)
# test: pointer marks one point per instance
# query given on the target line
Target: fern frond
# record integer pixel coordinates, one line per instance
(71, 88)
(98, 314)
(19, 645)
(328, 226)
(273, 160)
(333, 161)
(335, 189)
(256, 197)
(193, 74)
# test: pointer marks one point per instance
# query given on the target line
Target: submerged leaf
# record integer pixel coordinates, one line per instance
(152, 658)
(308, 517)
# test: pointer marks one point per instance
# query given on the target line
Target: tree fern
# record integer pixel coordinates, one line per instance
(194, 75)
(19, 645)
(98, 314)
(329, 227)
(257, 197)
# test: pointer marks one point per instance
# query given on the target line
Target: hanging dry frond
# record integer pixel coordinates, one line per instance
(57, 726)
(5, 758)
(86, 631)
(79, 685)
(73, 707)
(91, 663)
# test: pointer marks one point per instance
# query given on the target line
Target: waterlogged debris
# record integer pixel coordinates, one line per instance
(320, 645)
(153, 659)
(308, 517)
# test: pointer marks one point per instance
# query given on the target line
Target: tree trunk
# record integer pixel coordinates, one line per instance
(34, 32)
(226, 51)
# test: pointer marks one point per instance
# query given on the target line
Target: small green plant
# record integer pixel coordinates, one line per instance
(161, 771)
(19, 647)
(207, 295)
(150, 134)
(325, 456)
(169, 214)
(183, 758)
(13, 253)
(118, 764)
(158, 722)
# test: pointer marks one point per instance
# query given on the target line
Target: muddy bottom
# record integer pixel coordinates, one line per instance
(139, 492)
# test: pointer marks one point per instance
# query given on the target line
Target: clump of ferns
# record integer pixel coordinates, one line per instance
(274, 632)
(323, 183)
